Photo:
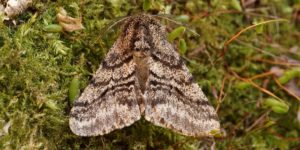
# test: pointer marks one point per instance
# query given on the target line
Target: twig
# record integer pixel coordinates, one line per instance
(276, 62)
(220, 99)
(257, 121)
(261, 75)
(255, 85)
(250, 27)
(244, 30)
(285, 138)
(285, 89)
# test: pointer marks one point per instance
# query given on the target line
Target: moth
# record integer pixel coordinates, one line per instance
(143, 75)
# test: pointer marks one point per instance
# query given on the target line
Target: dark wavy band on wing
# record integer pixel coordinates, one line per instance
(172, 61)
(96, 84)
(114, 89)
(112, 63)
(172, 90)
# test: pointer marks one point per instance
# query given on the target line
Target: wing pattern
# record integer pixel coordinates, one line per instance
(143, 74)
(110, 101)
(174, 100)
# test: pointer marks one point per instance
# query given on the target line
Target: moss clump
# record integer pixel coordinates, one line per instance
(37, 68)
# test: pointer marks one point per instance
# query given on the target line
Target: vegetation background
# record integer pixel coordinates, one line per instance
(252, 81)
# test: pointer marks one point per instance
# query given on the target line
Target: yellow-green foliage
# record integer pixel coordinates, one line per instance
(40, 63)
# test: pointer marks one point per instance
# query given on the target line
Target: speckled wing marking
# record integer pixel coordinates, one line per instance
(174, 100)
(110, 100)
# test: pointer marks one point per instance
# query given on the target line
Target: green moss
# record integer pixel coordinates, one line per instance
(37, 68)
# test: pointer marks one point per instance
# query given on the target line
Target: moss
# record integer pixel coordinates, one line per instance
(37, 68)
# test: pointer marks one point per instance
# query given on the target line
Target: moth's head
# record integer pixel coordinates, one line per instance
(140, 32)
(142, 23)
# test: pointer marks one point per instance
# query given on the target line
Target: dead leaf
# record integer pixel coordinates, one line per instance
(68, 23)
